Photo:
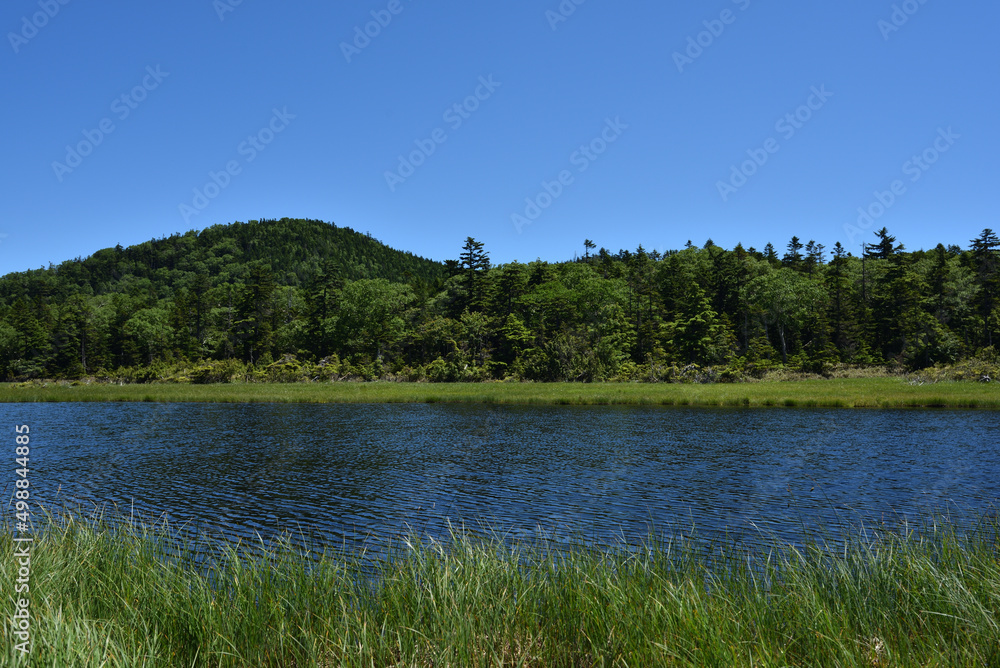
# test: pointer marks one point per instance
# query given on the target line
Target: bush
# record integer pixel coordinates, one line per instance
(439, 371)
(692, 373)
(734, 372)
(984, 367)
(286, 370)
(627, 371)
(329, 368)
(158, 372)
(218, 371)
(854, 371)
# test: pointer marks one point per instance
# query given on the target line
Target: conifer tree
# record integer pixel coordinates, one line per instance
(322, 297)
(838, 289)
(769, 253)
(986, 257)
(793, 256)
(254, 328)
(475, 262)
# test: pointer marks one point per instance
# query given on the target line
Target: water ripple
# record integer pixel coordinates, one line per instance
(344, 473)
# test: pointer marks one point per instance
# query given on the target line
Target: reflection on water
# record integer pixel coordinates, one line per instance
(344, 474)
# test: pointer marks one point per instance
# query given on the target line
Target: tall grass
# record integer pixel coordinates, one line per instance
(106, 596)
(844, 393)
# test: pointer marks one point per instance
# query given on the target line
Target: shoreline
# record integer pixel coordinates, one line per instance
(116, 597)
(890, 392)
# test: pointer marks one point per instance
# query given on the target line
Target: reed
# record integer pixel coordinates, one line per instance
(832, 393)
(106, 595)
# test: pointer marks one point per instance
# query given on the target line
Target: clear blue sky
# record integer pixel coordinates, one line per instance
(222, 70)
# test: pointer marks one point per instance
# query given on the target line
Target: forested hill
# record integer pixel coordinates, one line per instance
(296, 250)
(296, 299)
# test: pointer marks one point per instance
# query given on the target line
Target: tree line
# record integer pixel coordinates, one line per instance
(305, 292)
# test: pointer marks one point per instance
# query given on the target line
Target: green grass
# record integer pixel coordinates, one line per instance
(102, 598)
(846, 393)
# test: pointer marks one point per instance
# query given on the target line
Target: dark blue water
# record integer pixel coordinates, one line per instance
(347, 474)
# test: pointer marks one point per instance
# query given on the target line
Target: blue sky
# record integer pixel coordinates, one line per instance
(621, 122)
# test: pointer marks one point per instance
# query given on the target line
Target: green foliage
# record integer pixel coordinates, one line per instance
(983, 368)
(857, 387)
(218, 371)
(308, 291)
(121, 593)
(148, 331)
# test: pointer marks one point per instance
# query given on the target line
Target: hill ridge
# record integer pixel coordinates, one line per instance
(296, 249)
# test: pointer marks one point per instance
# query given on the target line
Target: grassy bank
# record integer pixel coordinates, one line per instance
(102, 599)
(847, 393)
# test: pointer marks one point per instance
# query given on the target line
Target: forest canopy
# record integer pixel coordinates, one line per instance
(291, 294)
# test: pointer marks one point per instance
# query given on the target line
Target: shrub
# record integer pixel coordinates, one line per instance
(439, 371)
(985, 365)
(218, 371)
(286, 370)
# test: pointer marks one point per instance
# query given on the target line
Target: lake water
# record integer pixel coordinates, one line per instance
(352, 473)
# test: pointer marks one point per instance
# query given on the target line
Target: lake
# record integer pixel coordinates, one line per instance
(347, 474)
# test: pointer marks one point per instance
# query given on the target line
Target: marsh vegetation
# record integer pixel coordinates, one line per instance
(115, 595)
